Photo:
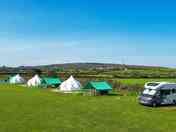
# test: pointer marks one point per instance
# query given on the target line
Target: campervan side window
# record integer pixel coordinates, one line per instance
(173, 90)
(165, 92)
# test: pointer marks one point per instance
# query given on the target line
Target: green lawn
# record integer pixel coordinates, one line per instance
(141, 82)
(38, 110)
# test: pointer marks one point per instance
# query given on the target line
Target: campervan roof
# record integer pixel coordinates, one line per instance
(155, 85)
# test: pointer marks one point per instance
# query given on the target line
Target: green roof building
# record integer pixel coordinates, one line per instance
(98, 88)
(53, 82)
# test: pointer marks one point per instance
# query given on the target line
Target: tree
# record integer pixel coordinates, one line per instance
(37, 71)
(52, 73)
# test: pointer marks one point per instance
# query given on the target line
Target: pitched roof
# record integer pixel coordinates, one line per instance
(52, 81)
(70, 84)
(98, 86)
(35, 81)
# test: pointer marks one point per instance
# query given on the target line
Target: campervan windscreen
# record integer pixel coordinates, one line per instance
(149, 92)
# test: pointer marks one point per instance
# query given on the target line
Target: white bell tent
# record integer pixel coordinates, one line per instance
(17, 79)
(35, 81)
(70, 84)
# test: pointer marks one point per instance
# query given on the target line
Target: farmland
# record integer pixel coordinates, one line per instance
(142, 81)
(136, 85)
(122, 77)
(39, 110)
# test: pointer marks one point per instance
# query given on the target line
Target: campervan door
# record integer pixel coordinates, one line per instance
(168, 94)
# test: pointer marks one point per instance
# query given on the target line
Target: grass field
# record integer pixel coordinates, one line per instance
(141, 82)
(38, 110)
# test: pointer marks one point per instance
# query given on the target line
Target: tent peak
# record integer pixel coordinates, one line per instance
(70, 84)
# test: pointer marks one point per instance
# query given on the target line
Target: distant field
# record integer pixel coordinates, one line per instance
(141, 82)
(38, 110)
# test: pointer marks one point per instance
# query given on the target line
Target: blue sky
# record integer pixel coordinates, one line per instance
(35, 32)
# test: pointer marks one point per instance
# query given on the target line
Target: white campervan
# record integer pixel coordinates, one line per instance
(158, 93)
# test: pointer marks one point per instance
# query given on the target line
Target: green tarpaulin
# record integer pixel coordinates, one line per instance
(98, 86)
(51, 81)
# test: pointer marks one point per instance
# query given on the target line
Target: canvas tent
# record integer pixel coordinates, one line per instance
(53, 82)
(98, 88)
(70, 84)
(35, 81)
(17, 79)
